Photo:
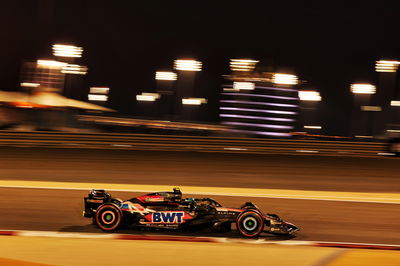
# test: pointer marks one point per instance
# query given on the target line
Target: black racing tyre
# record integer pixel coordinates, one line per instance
(108, 217)
(250, 206)
(250, 223)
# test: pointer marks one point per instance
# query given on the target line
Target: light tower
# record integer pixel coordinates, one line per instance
(73, 87)
(362, 116)
(385, 94)
(309, 105)
(187, 69)
(165, 83)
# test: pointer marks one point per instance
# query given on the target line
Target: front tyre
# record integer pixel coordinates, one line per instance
(108, 217)
(250, 223)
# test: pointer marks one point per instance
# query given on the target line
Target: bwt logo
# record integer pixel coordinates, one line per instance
(168, 217)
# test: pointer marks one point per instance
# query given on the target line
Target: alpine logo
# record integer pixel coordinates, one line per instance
(133, 207)
(168, 217)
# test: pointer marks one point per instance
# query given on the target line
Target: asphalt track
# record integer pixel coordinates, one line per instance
(60, 210)
(301, 172)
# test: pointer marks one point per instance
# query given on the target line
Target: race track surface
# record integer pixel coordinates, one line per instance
(303, 172)
(60, 210)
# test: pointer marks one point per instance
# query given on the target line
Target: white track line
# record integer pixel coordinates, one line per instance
(271, 196)
(359, 197)
(55, 234)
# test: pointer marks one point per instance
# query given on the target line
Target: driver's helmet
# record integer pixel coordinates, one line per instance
(177, 194)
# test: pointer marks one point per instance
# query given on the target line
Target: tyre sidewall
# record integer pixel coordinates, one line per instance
(108, 217)
(250, 217)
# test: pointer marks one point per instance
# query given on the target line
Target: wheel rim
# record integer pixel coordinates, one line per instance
(108, 217)
(250, 223)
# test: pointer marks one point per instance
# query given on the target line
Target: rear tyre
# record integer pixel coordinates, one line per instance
(250, 223)
(108, 217)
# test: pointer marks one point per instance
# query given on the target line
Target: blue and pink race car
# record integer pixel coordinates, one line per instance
(170, 211)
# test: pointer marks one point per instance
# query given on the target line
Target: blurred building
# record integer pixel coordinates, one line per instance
(42, 76)
(259, 104)
(39, 105)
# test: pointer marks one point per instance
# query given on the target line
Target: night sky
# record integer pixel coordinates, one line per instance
(328, 43)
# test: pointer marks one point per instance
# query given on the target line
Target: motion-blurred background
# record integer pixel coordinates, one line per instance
(300, 100)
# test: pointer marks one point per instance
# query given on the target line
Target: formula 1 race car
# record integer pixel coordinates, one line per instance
(168, 210)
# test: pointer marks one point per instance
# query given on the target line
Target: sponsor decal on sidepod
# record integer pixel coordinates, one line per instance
(168, 217)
